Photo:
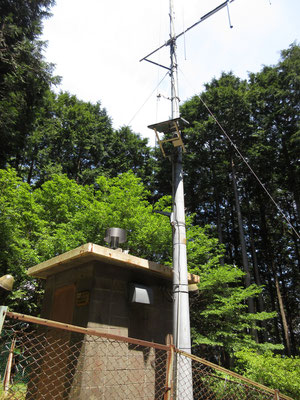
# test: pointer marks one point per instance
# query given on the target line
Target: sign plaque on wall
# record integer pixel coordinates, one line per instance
(82, 298)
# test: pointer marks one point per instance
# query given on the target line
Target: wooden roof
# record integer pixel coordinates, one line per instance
(91, 252)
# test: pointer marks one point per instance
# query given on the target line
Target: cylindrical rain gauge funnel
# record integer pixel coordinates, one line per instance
(115, 236)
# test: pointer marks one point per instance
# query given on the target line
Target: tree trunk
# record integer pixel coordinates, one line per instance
(233, 237)
(217, 202)
(272, 270)
(261, 305)
(274, 308)
(29, 177)
(282, 312)
(288, 312)
(229, 246)
(247, 278)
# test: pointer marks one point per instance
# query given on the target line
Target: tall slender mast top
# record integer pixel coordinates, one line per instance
(173, 67)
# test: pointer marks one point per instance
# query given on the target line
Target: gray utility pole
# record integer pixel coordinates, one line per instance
(181, 309)
(181, 313)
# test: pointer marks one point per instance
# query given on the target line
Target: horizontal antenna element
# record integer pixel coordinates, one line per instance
(203, 18)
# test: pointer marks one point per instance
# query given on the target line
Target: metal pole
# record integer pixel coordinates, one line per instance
(181, 316)
(181, 327)
(173, 67)
(181, 312)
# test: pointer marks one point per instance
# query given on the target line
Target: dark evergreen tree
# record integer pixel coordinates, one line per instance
(261, 116)
(76, 138)
(24, 75)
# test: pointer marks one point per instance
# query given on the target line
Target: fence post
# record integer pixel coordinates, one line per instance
(7, 374)
(276, 394)
(169, 374)
(3, 310)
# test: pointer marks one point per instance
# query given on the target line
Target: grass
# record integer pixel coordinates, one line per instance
(15, 392)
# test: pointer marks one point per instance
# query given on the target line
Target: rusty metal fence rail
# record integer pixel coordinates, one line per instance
(45, 360)
(51, 361)
(212, 382)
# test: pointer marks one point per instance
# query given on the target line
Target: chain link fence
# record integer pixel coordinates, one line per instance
(212, 382)
(43, 360)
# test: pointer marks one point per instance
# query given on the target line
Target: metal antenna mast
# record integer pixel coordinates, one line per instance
(173, 66)
(181, 315)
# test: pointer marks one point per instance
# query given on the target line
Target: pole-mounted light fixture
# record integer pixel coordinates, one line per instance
(6, 286)
(7, 282)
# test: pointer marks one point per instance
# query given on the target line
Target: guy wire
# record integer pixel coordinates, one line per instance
(248, 165)
(167, 73)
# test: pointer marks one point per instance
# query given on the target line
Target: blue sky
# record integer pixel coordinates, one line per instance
(97, 44)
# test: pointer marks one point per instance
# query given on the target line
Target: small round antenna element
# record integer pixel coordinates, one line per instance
(115, 236)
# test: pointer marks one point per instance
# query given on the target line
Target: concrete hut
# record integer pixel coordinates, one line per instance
(112, 292)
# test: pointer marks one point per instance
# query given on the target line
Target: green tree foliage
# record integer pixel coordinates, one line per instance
(20, 229)
(274, 99)
(79, 214)
(24, 75)
(71, 137)
(43, 134)
(76, 138)
(275, 371)
(261, 115)
(128, 151)
(36, 225)
(220, 322)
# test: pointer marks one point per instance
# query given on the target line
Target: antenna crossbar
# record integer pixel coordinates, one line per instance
(155, 63)
(171, 41)
(204, 17)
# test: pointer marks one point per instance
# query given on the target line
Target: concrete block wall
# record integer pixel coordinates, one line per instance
(101, 367)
